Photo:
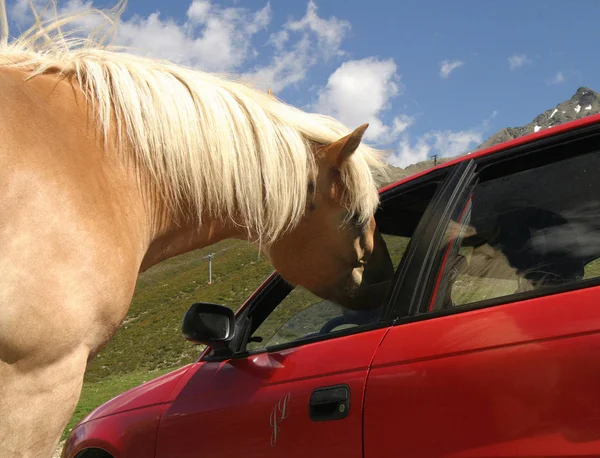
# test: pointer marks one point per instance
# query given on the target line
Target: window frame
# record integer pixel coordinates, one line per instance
(414, 279)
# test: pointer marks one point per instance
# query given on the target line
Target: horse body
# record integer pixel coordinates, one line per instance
(111, 164)
(71, 248)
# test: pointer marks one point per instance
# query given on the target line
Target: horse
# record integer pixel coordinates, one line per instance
(113, 162)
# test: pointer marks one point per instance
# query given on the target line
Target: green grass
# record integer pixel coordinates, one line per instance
(150, 337)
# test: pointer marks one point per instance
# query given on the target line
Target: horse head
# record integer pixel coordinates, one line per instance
(332, 252)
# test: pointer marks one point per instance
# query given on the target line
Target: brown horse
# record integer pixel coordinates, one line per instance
(111, 163)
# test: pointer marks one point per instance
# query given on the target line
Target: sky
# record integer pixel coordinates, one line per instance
(430, 77)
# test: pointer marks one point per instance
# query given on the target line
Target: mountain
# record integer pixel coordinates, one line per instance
(397, 173)
(584, 102)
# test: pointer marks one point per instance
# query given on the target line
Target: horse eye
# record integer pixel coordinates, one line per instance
(354, 220)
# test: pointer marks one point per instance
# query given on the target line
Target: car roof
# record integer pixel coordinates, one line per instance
(534, 136)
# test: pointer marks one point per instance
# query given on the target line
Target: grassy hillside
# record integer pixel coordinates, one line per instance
(150, 337)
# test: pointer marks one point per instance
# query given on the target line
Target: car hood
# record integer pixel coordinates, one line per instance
(155, 391)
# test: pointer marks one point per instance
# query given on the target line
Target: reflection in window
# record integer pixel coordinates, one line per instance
(527, 232)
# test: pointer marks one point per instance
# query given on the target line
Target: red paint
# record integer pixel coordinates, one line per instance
(152, 392)
(129, 434)
(519, 379)
(127, 424)
(225, 409)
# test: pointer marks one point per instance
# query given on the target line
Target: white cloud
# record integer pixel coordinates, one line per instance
(448, 66)
(329, 32)
(559, 78)
(517, 61)
(401, 123)
(317, 39)
(212, 38)
(198, 10)
(444, 143)
(359, 91)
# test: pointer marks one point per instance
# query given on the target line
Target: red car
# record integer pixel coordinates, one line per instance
(487, 344)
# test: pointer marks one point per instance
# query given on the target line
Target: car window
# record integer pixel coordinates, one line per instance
(527, 232)
(299, 316)
(302, 315)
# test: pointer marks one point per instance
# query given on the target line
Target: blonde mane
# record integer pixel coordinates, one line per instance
(211, 141)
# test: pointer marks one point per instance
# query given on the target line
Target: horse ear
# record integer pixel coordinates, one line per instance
(343, 148)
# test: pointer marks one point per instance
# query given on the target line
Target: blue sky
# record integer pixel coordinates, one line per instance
(381, 61)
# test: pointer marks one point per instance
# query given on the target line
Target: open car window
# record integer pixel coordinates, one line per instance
(300, 316)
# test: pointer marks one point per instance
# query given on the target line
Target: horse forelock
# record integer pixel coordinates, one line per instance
(210, 140)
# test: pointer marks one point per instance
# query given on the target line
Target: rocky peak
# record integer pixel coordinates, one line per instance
(583, 103)
(585, 96)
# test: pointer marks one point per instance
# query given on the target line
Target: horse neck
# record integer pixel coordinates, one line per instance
(172, 235)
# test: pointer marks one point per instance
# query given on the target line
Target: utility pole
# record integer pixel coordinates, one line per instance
(210, 257)
(435, 156)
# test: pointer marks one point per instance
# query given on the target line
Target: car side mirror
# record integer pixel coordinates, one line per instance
(209, 324)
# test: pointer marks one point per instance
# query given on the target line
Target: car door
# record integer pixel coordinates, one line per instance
(295, 383)
(288, 401)
(498, 357)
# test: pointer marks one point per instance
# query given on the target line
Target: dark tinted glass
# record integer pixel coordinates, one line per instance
(529, 231)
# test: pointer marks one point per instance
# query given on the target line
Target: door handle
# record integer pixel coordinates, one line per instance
(329, 403)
